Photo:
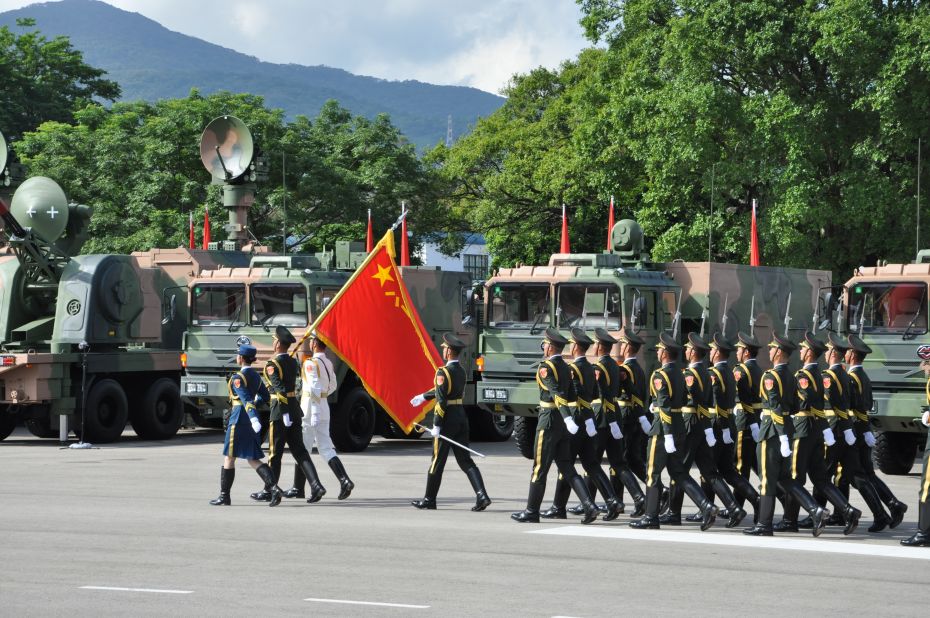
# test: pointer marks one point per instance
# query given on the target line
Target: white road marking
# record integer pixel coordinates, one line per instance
(345, 602)
(112, 588)
(734, 540)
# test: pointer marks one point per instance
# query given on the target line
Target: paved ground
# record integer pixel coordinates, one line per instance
(126, 530)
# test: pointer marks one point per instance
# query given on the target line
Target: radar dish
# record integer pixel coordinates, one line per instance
(3, 153)
(226, 148)
(39, 203)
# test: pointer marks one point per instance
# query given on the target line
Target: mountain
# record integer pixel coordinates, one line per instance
(151, 62)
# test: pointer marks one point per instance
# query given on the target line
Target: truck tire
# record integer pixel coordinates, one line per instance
(353, 424)
(41, 426)
(106, 414)
(7, 422)
(158, 414)
(392, 431)
(895, 452)
(486, 426)
(524, 434)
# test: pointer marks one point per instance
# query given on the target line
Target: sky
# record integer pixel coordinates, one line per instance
(479, 43)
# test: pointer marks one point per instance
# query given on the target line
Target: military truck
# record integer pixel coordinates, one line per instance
(620, 288)
(886, 305)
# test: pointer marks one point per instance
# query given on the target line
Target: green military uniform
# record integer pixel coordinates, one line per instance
(450, 420)
(669, 433)
(632, 408)
(748, 406)
(922, 537)
(551, 444)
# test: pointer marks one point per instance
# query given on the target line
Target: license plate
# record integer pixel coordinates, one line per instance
(495, 394)
(196, 388)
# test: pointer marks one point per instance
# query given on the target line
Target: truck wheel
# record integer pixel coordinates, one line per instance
(41, 427)
(158, 414)
(894, 452)
(489, 426)
(106, 413)
(524, 434)
(392, 431)
(7, 422)
(353, 424)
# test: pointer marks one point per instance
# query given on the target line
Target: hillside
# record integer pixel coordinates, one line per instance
(151, 62)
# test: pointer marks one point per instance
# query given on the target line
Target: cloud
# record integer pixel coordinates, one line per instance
(479, 43)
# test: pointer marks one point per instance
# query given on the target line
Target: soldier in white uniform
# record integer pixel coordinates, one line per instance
(319, 382)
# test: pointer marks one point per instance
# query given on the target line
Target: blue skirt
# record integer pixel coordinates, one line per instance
(241, 441)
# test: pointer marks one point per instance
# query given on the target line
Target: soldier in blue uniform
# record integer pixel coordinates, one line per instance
(244, 431)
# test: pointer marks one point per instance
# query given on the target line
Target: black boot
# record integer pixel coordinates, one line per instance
(429, 497)
(897, 510)
(345, 483)
(559, 499)
(664, 497)
(766, 512)
(297, 491)
(880, 519)
(317, 491)
(841, 506)
(264, 471)
(614, 506)
(616, 482)
(482, 501)
(796, 491)
(226, 480)
(922, 537)
(671, 516)
(734, 513)
(531, 513)
(708, 510)
(632, 486)
(650, 520)
(581, 490)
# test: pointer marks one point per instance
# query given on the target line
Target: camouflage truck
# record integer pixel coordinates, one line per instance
(624, 287)
(231, 306)
(887, 306)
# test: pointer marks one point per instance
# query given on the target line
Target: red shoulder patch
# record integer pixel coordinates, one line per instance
(597, 374)
(440, 379)
(543, 372)
(237, 382)
(269, 370)
(689, 380)
(713, 378)
(803, 382)
(738, 374)
(769, 384)
(658, 384)
(827, 382)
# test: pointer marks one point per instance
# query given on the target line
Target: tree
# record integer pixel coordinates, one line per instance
(44, 80)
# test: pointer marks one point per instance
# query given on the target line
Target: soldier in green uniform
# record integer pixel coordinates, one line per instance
(748, 406)
(922, 537)
(635, 420)
(811, 434)
(668, 437)
(584, 442)
(553, 429)
(280, 377)
(860, 404)
(450, 420)
(778, 391)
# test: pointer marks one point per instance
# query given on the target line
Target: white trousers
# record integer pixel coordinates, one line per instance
(316, 427)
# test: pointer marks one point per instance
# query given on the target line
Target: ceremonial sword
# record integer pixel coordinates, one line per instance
(451, 441)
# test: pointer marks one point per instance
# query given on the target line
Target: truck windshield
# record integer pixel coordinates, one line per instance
(589, 306)
(887, 308)
(279, 305)
(518, 305)
(218, 305)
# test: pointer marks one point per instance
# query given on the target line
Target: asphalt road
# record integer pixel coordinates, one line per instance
(126, 529)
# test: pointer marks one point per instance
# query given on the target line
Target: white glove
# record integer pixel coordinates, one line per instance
(737, 408)
(727, 438)
(709, 436)
(785, 446)
(869, 438)
(314, 419)
(644, 423)
(572, 427)
(850, 436)
(256, 424)
(434, 431)
(615, 430)
(828, 437)
(419, 400)
(670, 443)
(754, 428)
(287, 419)
(590, 428)
(925, 419)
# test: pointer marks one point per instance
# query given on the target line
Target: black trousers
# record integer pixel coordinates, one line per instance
(278, 437)
(455, 428)
(635, 443)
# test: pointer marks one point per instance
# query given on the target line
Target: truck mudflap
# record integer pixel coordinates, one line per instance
(898, 411)
(519, 398)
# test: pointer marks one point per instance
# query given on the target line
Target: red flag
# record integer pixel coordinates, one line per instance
(206, 227)
(404, 247)
(369, 237)
(610, 225)
(372, 326)
(190, 225)
(754, 240)
(564, 248)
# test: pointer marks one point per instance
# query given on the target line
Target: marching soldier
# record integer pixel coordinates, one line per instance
(318, 382)
(634, 422)
(553, 430)
(860, 403)
(748, 376)
(280, 378)
(922, 537)
(584, 443)
(244, 430)
(778, 392)
(811, 434)
(450, 420)
(668, 437)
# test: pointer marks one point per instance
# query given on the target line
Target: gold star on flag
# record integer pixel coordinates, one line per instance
(384, 275)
